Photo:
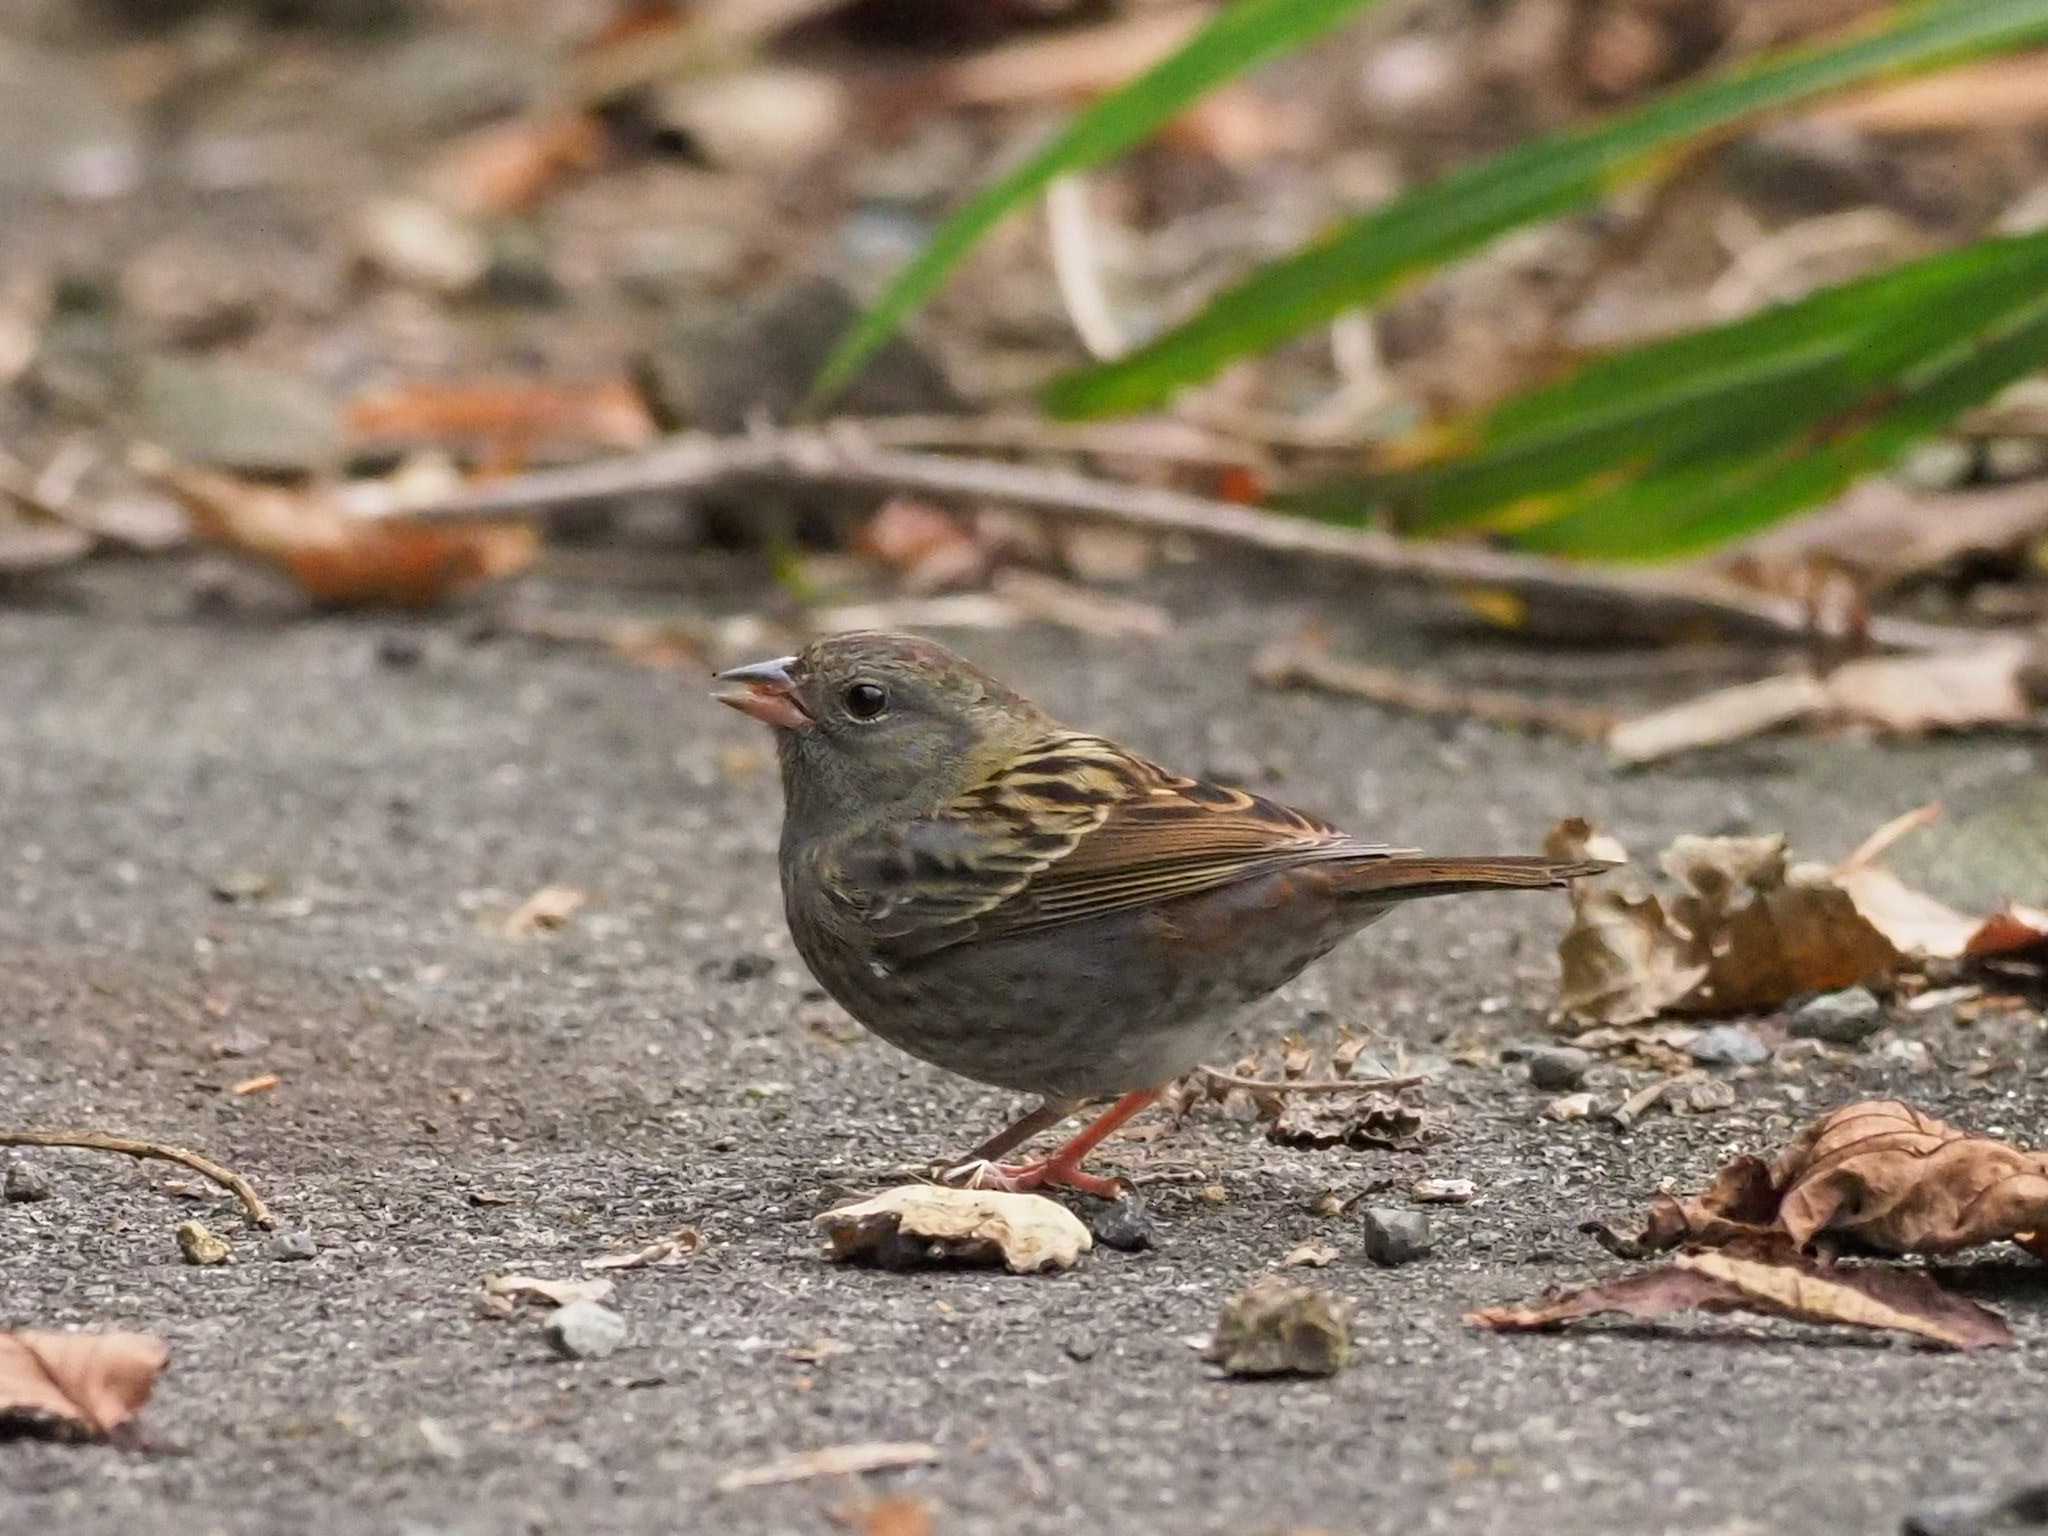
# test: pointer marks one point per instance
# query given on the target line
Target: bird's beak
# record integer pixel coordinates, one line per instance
(766, 691)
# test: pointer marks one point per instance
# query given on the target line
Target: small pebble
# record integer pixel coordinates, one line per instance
(1559, 1068)
(1394, 1235)
(287, 1246)
(584, 1330)
(25, 1183)
(1124, 1224)
(1841, 1018)
(1729, 1045)
(200, 1246)
(1078, 1347)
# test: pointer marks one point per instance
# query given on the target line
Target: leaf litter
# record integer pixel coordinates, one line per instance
(933, 1224)
(1749, 930)
(1878, 1177)
(76, 1385)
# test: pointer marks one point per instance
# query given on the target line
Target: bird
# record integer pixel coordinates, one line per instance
(1038, 908)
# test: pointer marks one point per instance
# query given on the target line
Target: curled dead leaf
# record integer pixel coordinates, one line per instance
(1880, 1174)
(87, 1384)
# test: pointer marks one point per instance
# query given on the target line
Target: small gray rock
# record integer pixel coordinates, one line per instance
(288, 1246)
(1395, 1236)
(25, 1183)
(1848, 1017)
(1729, 1045)
(585, 1330)
(1124, 1224)
(1559, 1068)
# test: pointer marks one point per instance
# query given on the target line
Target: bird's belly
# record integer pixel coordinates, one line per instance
(1109, 1006)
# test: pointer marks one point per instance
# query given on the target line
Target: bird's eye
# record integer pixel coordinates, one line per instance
(864, 701)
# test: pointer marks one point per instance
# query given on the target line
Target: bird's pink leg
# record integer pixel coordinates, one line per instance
(1063, 1169)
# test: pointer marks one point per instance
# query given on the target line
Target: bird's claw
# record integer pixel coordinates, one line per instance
(1025, 1178)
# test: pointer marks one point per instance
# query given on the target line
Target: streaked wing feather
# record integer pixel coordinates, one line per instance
(1072, 829)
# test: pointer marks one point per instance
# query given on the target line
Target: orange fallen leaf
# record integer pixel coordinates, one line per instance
(927, 547)
(509, 167)
(336, 556)
(76, 1383)
(897, 1515)
(263, 1082)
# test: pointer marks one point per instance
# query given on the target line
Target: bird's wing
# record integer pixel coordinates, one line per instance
(1072, 828)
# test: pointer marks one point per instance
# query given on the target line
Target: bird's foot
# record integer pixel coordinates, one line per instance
(1021, 1178)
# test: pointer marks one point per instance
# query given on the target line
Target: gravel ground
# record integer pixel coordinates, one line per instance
(453, 1103)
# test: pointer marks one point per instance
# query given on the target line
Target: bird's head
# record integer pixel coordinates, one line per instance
(870, 725)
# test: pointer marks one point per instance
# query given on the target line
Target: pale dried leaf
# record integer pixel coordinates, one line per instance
(539, 1292)
(1938, 690)
(76, 1383)
(924, 1223)
(833, 1461)
(679, 1247)
(1313, 1254)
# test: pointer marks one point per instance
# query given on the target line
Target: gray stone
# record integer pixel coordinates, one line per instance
(1729, 1045)
(1559, 1068)
(237, 416)
(286, 1247)
(585, 1330)
(1124, 1224)
(1394, 1235)
(24, 1184)
(1848, 1017)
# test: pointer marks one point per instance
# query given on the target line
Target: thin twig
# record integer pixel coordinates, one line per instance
(1309, 1085)
(253, 1208)
(1628, 600)
(1298, 666)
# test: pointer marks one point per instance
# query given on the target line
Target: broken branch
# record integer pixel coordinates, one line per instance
(253, 1208)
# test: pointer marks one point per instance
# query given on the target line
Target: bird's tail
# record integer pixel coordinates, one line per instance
(1408, 877)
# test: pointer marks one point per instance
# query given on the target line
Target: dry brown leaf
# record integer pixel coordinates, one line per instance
(76, 1383)
(897, 1515)
(1313, 1254)
(336, 556)
(1623, 959)
(925, 1223)
(508, 167)
(1878, 1173)
(927, 547)
(1773, 1283)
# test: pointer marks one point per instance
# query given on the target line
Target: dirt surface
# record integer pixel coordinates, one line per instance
(453, 1103)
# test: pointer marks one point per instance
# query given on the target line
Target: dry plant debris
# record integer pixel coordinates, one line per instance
(201, 1246)
(1877, 1177)
(1749, 930)
(335, 554)
(833, 1461)
(930, 1224)
(547, 910)
(1280, 1327)
(84, 1385)
(679, 1247)
(254, 1211)
(897, 1515)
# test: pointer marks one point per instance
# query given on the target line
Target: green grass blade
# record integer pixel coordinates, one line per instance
(1366, 258)
(1241, 38)
(1657, 520)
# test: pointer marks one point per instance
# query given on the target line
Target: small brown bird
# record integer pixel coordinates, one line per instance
(1038, 908)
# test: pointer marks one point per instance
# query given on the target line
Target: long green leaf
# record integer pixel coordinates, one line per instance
(1241, 38)
(1364, 259)
(1729, 392)
(1658, 520)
